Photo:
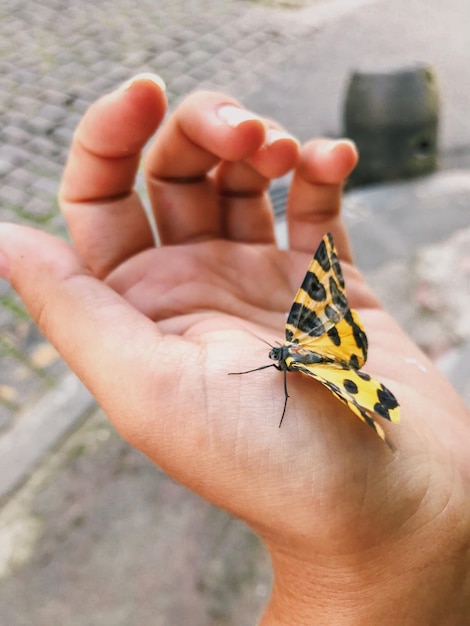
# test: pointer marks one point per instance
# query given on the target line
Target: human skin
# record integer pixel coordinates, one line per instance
(357, 534)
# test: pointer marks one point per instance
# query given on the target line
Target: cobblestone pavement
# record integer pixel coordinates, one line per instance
(55, 59)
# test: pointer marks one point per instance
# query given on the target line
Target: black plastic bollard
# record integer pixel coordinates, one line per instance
(393, 118)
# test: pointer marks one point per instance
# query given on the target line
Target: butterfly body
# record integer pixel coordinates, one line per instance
(326, 340)
(291, 353)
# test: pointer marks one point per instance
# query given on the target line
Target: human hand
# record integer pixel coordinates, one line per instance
(153, 332)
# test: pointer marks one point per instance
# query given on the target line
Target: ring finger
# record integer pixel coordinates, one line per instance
(314, 203)
(242, 187)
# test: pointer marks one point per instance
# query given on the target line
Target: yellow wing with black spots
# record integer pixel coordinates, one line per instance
(320, 317)
(326, 340)
(364, 395)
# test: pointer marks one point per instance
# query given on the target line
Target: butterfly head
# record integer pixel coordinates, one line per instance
(278, 353)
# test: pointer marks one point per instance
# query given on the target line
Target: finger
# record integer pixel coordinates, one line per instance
(314, 203)
(105, 341)
(242, 186)
(105, 217)
(205, 129)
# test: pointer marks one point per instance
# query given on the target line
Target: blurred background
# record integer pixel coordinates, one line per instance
(90, 531)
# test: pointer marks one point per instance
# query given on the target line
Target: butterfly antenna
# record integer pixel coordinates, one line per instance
(248, 330)
(256, 369)
(260, 338)
(286, 397)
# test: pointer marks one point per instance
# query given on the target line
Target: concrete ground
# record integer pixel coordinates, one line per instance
(90, 531)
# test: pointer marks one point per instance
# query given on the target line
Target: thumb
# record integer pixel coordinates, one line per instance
(104, 340)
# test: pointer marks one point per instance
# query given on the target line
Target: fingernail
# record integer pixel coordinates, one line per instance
(233, 116)
(273, 135)
(329, 146)
(4, 266)
(154, 78)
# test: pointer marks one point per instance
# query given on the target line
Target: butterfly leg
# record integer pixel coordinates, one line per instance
(263, 367)
(286, 395)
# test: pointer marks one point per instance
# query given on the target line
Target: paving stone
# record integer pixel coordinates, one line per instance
(14, 117)
(45, 146)
(46, 187)
(183, 83)
(209, 42)
(73, 118)
(15, 135)
(63, 135)
(20, 177)
(6, 100)
(9, 90)
(15, 154)
(168, 58)
(136, 58)
(12, 196)
(178, 69)
(39, 209)
(54, 97)
(40, 126)
(25, 77)
(6, 167)
(27, 105)
(51, 113)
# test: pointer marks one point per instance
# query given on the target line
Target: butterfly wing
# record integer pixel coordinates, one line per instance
(320, 318)
(364, 395)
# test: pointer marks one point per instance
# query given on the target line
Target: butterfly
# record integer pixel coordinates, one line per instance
(326, 340)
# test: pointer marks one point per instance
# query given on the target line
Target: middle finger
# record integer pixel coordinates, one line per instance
(205, 129)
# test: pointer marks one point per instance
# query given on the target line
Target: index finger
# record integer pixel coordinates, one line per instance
(104, 215)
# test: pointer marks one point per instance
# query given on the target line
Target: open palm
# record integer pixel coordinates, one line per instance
(154, 332)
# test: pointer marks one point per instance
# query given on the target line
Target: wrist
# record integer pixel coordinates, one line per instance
(357, 589)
